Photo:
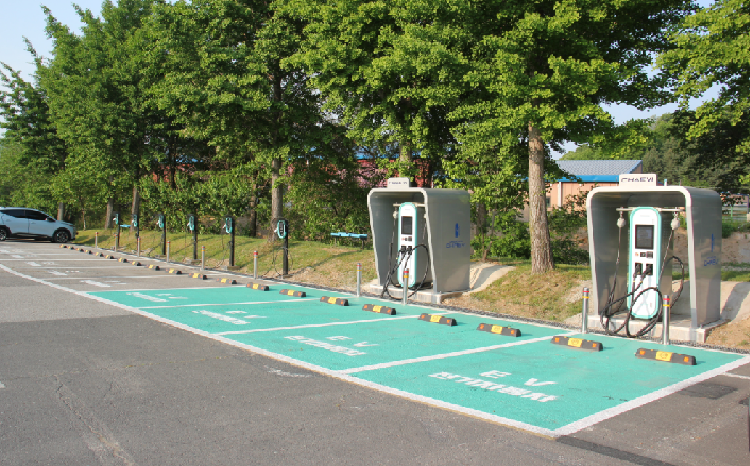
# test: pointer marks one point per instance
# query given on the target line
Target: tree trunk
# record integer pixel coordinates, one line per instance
(110, 207)
(136, 205)
(541, 247)
(60, 211)
(277, 196)
(252, 224)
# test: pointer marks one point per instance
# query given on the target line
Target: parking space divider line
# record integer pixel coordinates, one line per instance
(327, 324)
(433, 357)
(228, 304)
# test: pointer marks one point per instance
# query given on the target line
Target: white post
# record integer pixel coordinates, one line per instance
(585, 312)
(665, 322)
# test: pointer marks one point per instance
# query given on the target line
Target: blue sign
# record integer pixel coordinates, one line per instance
(458, 230)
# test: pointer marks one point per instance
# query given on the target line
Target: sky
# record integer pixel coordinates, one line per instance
(24, 18)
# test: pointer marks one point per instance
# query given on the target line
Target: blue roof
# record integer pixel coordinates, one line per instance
(598, 171)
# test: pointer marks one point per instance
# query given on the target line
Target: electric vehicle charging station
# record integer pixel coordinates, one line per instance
(194, 231)
(633, 224)
(136, 226)
(229, 229)
(162, 223)
(282, 231)
(411, 233)
(424, 231)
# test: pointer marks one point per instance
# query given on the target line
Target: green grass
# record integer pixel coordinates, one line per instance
(325, 258)
(542, 296)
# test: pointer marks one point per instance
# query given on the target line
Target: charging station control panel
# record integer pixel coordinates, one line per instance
(644, 260)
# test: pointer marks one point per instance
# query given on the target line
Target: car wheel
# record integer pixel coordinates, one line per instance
(61, 236)
(3, 234)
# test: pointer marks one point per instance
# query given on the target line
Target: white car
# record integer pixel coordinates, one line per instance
(20, 222)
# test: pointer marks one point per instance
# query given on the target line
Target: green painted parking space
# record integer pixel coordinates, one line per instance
(525, 381)
(387, 340)
(233, 311)
(544, 387)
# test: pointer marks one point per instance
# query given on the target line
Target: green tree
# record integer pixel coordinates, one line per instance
(712, 50)
(32, 151)
(225, 83)
(540, 72)
(384, 73)
(96, 98)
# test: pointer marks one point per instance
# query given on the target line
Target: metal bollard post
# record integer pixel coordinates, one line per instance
(117, 242)
(167, 252)
(96, 240)
(255, 265)
(138, 242)
(359, 279)
(203, 258)
(665, 322)
(406, 286)
(585, 312)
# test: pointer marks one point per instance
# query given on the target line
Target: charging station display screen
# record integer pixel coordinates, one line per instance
(644, 237)
(406, 225)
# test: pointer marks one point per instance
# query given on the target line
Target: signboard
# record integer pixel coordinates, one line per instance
(398, 183)
(638, 179)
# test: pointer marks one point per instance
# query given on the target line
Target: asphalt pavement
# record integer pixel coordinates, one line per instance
(84, 382)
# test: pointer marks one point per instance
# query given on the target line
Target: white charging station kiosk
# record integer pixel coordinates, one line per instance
(424, 230)
(649, 211)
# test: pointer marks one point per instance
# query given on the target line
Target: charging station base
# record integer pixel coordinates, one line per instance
(680, 328)
(427, 296)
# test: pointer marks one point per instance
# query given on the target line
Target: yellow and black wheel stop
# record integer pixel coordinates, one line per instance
(665, 356)
(380, 309)
(498, 330)
(296, 294)
(227, 280)
(577, 343)
(199, 276)
(437, 318)
(257, 286)
(338, 301)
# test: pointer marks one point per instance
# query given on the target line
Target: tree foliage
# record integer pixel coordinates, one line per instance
(713, 50)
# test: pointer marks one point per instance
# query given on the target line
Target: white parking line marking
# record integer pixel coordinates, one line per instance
(33, 264)
(149, 277)
(1, 385)
(328, 324)
(55, 272)
(229, 304)
(95, 283)
(433, 357)
(736, 376)
(17, 256)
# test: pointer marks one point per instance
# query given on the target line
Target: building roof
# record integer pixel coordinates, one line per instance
(598, 171)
